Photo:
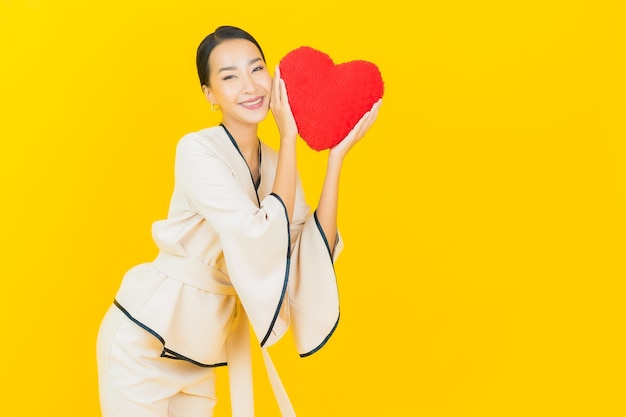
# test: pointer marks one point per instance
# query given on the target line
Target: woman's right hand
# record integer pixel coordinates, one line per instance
(281, 110)
(340, 150)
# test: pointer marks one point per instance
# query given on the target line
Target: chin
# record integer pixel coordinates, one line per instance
(257, 117)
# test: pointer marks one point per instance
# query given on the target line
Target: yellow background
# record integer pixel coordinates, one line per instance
(484, 214)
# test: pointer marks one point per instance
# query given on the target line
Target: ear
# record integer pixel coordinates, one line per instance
(208, 94)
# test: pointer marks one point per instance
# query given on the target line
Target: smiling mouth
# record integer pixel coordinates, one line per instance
(252, 103)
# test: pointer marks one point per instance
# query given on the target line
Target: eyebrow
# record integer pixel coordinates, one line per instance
(232, 67)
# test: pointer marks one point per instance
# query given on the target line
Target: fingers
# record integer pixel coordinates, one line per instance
(283, 94)
(357, 133)
(373, 113)
(281, 110)
(367, 120)
(275, 96)
(279, 91)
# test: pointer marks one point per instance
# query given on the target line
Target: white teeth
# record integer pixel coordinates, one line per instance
(252, 103)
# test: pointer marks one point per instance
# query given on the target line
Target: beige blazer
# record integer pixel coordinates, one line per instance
(226, 244)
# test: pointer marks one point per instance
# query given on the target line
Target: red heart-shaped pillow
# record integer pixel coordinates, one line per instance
(328, 99)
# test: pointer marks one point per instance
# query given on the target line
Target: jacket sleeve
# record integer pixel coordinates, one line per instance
(255, 239)
(313, 291)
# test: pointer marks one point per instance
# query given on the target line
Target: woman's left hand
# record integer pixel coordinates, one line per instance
(340, 150)
(281, 110)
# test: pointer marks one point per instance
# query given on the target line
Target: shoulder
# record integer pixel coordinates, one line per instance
(204, 137)
(210, 142)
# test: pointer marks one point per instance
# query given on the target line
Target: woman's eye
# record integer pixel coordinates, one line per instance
(228, 77)
(259, 68)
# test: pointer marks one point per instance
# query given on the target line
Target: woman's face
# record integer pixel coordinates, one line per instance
(239, 82)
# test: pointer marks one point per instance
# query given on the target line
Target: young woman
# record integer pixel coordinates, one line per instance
(239, 246)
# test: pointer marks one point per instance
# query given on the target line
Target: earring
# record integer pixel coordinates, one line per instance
(215, 107)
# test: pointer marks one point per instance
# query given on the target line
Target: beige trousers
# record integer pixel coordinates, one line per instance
(135, 381)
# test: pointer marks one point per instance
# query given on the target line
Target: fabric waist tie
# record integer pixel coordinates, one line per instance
(240, 371)
(239, 357)
(286, 409)
(194, 273)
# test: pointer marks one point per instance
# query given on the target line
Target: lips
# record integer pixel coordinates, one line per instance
(253, 104)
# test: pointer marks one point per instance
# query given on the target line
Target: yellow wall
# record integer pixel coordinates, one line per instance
(484, 214)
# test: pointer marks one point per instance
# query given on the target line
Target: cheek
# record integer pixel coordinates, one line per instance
(226, 92)
(266, 82)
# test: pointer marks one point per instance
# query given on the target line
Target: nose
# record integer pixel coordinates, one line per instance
(248, 85)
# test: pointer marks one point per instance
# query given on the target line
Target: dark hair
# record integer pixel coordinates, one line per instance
(221, 34)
